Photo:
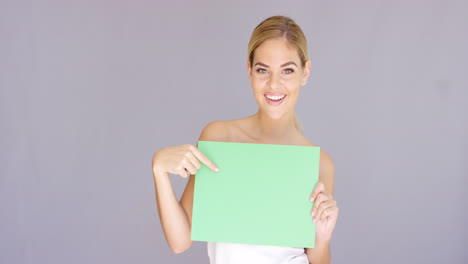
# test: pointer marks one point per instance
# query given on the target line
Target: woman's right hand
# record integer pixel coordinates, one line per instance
(180, 160)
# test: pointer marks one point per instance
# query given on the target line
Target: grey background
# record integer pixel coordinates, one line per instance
(91, 89)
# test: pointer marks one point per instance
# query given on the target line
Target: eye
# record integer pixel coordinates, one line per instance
(289, 70)
(261, 70)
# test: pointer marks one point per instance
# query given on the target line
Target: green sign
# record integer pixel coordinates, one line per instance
(261, 194)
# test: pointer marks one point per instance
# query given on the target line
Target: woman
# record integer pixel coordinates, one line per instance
(277, 66)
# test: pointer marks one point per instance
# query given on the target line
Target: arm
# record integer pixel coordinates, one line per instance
(172, 215)
(321, 254)
(176, 216)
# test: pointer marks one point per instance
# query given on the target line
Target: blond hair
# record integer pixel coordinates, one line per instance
(279, 27)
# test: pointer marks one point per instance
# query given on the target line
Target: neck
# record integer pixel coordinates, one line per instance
(275, 129)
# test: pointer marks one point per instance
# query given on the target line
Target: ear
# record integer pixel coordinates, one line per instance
(306, 70)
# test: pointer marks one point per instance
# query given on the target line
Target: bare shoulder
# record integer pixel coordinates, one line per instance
(326, 170)
(217, 130)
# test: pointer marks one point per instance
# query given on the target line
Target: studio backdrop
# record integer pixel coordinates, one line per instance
(90, 90)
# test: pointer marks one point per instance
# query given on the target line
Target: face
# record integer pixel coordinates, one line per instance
(276, 76)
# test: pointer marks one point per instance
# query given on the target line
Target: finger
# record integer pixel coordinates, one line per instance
(203, 158)
(322, 210)
(320, 198)
(188, 166)
(331, 212)
(182, 172)
(320, 187)
(193, 161)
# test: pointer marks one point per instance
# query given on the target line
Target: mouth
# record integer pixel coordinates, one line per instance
(275, 99)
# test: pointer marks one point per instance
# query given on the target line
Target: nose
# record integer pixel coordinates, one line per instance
(275, 82)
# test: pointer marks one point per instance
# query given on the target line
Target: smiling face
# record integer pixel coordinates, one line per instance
(276, 76)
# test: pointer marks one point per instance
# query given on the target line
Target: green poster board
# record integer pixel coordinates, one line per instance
(261, 194)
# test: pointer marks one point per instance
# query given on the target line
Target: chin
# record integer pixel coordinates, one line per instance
(273, 114)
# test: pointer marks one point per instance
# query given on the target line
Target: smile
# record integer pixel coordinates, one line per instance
(275, 99)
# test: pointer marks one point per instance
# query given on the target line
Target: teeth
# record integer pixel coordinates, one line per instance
(275, 97)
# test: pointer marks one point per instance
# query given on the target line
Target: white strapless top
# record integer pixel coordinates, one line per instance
(230, 253)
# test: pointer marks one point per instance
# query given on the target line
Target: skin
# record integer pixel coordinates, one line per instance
(269, 125)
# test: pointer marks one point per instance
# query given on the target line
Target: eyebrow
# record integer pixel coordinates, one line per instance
(282, 65)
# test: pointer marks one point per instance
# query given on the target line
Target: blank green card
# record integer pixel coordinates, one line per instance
(259, 196)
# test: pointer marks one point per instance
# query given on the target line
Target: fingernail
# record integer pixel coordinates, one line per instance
(312, 199)
(216, 169)
(313, 213)
(315, 220)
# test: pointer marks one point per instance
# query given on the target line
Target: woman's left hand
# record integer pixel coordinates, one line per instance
(324, 212)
